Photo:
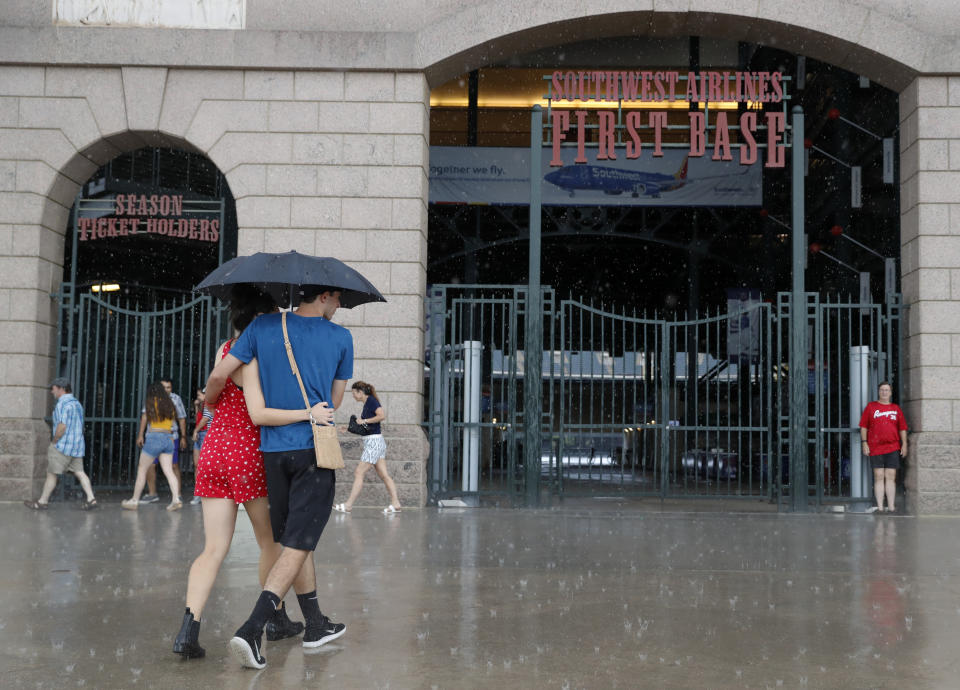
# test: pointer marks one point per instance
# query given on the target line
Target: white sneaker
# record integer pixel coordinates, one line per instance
(872, 509)
(195, 501)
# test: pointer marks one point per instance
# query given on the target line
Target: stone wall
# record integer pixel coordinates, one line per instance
(321, 162)
(930, 265)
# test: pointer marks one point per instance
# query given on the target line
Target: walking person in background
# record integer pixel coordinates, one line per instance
(230, 474)
(883, 433)
(203, 415)
(67, 447)
(157, 445)
(179, 442)
(374, 448)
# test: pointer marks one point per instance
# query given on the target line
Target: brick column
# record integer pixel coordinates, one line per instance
(930, 264)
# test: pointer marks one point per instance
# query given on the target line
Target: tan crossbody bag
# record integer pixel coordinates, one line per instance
(326, 446)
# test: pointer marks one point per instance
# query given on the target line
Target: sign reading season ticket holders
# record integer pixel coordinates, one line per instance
(170, 216)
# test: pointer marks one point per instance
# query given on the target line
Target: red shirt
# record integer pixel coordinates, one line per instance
(883, 424)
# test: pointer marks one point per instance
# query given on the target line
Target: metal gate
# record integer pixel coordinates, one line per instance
(845, 335)
(111, 348)
(640, 405)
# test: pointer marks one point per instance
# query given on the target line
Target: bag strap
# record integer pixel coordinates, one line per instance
(293, 361)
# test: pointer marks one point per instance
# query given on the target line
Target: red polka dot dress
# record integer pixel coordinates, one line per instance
(231, 464)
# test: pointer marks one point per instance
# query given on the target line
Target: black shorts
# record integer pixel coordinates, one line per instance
(300, 496)
(887, 461)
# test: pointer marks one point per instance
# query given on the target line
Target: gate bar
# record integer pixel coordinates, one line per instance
(533, 341)
(799, 450)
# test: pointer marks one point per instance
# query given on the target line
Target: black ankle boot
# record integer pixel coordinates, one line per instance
(187, 643)
(280, 627)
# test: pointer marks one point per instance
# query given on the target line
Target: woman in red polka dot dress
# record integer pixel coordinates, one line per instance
(231, 464)
(229, 473)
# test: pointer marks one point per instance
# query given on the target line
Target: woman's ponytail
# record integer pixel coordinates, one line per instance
(365, 388)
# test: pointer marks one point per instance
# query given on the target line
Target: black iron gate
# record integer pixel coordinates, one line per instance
(636, 404)
(111, 348)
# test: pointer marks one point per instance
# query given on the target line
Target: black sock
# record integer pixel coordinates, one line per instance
(266, 605)
(310, 608)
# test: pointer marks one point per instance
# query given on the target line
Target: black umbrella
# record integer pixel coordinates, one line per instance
(284, 275)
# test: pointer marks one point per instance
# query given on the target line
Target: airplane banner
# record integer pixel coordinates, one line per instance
(501, 176)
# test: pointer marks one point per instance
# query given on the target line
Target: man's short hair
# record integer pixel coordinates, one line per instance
(308, 293)
(62, 382)
(166, 379)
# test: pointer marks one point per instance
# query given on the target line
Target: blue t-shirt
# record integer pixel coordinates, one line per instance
(324, 352)
(370, 411)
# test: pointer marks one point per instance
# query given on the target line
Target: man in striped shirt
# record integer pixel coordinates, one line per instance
(66, 450)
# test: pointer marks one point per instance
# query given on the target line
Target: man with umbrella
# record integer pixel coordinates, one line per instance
(301, 494)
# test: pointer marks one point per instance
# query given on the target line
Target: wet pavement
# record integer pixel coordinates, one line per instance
(593, 595)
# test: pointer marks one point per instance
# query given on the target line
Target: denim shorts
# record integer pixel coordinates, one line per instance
(199, 442)
(157, 442)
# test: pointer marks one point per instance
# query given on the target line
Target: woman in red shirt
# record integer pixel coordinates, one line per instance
(883, 431)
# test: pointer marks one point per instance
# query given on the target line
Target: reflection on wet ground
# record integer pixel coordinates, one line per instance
(600, 595)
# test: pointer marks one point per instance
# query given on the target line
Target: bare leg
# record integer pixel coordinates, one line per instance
(166, 464)
(891, 480)
(219, 521)
(176, 472)
(49, 484)
(306, 580)
(388, 482)
(152, 480)
(285, 571)
(146, 462)
(259, 512)
(84, 484)
(878, 487)
(357, 483)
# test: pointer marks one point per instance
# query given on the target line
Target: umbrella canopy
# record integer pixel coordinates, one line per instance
(283, 275)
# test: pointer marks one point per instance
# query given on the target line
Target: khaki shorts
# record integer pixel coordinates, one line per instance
(58, 463)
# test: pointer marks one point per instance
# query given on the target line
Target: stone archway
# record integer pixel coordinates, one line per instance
(879, 42)
(282, 139)
(885, 43)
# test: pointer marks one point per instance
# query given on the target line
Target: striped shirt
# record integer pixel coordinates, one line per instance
(69, 412)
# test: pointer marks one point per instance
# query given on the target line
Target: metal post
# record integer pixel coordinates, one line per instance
(533, 340)
(798, 328)
(859, 397)
(72, 287)
(471, 416)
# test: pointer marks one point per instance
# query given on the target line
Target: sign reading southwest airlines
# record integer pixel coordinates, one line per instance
(486, 175)
(665, 87)
(709, 171)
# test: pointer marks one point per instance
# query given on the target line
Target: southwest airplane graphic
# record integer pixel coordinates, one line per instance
(609, 180)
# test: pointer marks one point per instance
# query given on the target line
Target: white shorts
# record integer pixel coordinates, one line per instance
(374, 448)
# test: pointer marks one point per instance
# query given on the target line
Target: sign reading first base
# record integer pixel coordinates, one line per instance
(668, 87)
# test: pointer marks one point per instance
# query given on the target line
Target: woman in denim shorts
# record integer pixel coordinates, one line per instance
(157, 445)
